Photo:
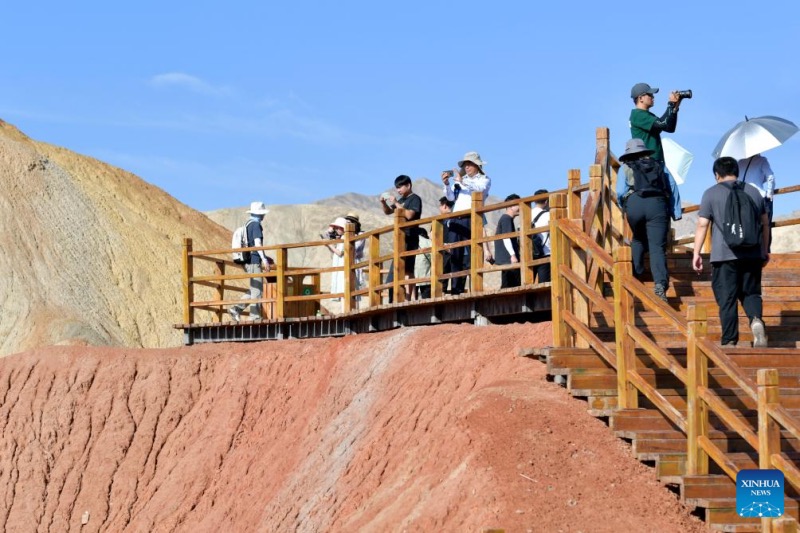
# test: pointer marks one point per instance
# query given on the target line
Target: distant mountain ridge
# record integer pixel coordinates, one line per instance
(91, 253)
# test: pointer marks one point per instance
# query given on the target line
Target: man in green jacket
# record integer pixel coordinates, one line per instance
(648, 127)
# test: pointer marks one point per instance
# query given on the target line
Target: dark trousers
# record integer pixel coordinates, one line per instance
(649, 221)
(543, 271)
(736, 281)
(510, 278)
(461, 229)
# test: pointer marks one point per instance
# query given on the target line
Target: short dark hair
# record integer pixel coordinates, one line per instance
(726, 166)
(444, 201)
(511, 197)
(540, 191)
(401, 180)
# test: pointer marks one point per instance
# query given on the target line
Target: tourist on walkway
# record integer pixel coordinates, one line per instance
(410, 205)
(506, 251)
(258, 263)
(649, 196)
(458, 186)
(735, 272)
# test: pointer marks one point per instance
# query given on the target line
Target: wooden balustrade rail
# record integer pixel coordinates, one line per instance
(214, 271)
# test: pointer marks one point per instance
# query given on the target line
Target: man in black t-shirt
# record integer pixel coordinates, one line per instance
(506, 252)
(411, 205)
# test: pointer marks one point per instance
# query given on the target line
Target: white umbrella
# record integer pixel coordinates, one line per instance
(677, 158)
(753, 136)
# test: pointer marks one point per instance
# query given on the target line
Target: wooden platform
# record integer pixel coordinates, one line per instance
(528, 303)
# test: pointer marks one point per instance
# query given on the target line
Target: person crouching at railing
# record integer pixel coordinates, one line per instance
(411, 205)
(648, 195)
(259, 262)
(458, 186)
(506, 252)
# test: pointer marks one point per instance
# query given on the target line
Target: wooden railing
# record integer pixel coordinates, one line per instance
(589, 255)
(293, 290)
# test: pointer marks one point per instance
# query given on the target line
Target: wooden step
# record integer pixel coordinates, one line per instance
(593, 379)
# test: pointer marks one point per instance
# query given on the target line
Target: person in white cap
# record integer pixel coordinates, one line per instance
(259, 262)
(648, 127)
(458, 186)
(336, 231)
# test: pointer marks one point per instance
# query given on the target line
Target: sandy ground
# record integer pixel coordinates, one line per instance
(438, 428)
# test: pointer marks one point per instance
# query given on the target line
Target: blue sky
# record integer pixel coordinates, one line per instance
(221, 103)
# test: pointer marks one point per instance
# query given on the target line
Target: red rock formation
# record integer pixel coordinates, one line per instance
(441, 428)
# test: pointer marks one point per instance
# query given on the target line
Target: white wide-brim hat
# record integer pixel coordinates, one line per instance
(474, 158)
(258, 208)
(340, 222)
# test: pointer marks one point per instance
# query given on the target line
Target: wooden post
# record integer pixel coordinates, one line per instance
(437, 260)
(696, 376)
(399, 263)
(476, 247)
(561, 299)
(627, 395)
(602, 142)
(188, 288)
(785, 524)
(281, 265)
(707, 240)
(220, 271)
(574, 196)
(347, 266)
(769, 432)
(525, 243)
(577, 259)
(374, 278)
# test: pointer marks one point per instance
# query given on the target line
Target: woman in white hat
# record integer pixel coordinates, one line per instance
(336, 231)
(458, 186)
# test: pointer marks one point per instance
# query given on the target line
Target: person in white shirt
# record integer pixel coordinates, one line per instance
(540, 217)
(756, 171)
(458, 186)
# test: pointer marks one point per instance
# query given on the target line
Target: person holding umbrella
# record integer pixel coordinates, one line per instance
(647, 126)
(756, 171)
(746, 141)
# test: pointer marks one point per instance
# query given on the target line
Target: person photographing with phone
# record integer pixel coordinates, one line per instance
(458, 186)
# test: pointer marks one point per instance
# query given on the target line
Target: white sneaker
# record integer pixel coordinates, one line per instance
(759, 333)
(234, 314)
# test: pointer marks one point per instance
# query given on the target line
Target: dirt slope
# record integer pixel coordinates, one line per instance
(421, 429)
(91, 254)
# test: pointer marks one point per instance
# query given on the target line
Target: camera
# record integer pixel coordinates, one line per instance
(330, 234)
(684, 94)
(448, 173)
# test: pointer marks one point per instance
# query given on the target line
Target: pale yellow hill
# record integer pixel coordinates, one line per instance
(91, 254)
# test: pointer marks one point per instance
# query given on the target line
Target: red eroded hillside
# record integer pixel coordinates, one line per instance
(439, 428)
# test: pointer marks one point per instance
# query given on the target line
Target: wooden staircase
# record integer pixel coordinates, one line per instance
(698, 413)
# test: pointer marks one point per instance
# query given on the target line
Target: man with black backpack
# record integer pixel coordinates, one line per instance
(649, 197)
(739, 249)
(255, 262)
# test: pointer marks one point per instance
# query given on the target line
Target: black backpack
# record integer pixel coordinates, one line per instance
(649, 178)
(538, 240)
(741, 222)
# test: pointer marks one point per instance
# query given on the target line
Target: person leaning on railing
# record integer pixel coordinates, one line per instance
(411, 205)
(458, 186)
(506, 251)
